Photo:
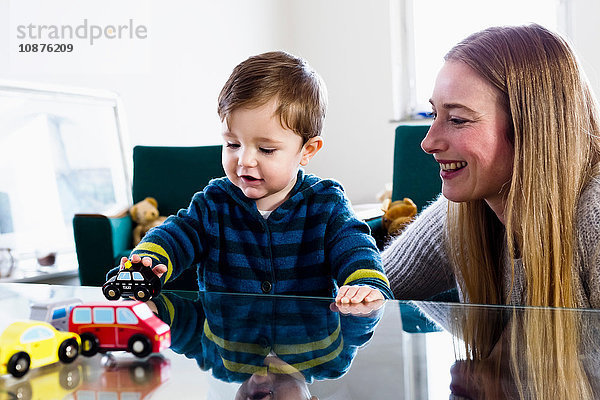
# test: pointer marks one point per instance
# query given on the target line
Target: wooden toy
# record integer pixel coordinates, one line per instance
(123, 325)
(33, 344)
(55, 312)
(136, 280)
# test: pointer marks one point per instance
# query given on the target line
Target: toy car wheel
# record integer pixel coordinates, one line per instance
(141, 373)
(142, 294)
(89, 344)
(69, 377)
(68, 351)
(22, 391)
(111, 292)
(139, 345)
(18, 364)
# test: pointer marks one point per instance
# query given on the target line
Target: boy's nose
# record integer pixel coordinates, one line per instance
(247, 159)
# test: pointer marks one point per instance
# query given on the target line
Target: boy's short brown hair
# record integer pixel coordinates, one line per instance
(299, 91)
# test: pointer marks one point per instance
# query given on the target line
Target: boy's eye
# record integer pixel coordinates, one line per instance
(266, 151)
(232, 145)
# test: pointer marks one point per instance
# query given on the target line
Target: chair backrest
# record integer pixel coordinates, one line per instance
(173, 174)
(416, 173)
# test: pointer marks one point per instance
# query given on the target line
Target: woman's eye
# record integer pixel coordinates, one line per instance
(266, 151)
(458, 121)
(233, 145)
(431, 114)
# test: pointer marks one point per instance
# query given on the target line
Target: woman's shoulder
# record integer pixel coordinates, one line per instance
(429, 223)
(589, 201)
(588, 209)
(437, 207)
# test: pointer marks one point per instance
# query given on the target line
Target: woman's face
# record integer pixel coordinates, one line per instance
(469, 137)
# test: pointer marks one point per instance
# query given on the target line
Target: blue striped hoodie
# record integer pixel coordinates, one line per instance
(310, 245)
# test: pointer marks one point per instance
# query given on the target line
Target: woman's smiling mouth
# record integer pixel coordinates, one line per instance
(453, 166)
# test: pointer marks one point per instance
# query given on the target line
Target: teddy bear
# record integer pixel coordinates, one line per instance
(397, 215)
(145, 214)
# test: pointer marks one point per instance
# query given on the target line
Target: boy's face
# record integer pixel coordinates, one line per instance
(274, 386)
(261, 157)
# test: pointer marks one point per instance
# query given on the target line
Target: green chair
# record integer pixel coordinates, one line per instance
(417, 176)
(169, 174)
(416, 173)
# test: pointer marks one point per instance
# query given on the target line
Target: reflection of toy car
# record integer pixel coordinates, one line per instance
(136, 280)
(125, 379)
(32, 344)
(51, 382)
(54, 312)
(125, 325)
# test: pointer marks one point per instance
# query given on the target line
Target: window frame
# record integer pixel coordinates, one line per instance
(402, 40)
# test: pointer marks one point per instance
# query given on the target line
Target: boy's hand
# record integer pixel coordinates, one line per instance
(357, 294)
(152, 306)
(357, 309)
(158, 270)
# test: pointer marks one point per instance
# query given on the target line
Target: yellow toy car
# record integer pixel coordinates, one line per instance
(32, 344)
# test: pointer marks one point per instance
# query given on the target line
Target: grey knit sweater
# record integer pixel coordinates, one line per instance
(418, 267)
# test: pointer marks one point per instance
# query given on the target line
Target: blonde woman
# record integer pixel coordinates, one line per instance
(516, 134)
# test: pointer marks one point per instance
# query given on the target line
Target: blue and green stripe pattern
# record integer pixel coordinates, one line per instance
(310, 245)
(235, 336)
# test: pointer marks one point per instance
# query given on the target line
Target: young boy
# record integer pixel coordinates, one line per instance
(268, 227)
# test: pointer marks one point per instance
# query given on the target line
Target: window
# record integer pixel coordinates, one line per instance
(82, 315)
(126, 316)
(37, 333)
(130, 396)
(124, 276)
(86, 395)
(143, 311)
(61, 153)
(103, 315)
(108, 396)
(424, 30)
(59, 313)
(137, 276)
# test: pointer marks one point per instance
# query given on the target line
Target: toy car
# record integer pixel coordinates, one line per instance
(136, 280)
(55, 312)
(32, 344)
(123, 325)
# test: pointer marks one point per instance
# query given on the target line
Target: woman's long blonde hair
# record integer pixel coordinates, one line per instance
(555, 128)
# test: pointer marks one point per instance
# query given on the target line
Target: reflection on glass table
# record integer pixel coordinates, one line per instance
(231, 346)
(272, 346)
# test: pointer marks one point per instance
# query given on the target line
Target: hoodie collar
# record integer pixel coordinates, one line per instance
(249, 204)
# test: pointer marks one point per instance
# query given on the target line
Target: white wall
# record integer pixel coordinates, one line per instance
(348, 43)
(195, 45)
(585, 32)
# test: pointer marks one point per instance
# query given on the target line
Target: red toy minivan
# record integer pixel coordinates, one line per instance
(123, 325)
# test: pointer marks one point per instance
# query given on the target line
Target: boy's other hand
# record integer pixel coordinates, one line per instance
(354, 294)
(358, 309)
(159, 269)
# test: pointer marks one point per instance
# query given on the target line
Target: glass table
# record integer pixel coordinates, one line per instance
(232, 346)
